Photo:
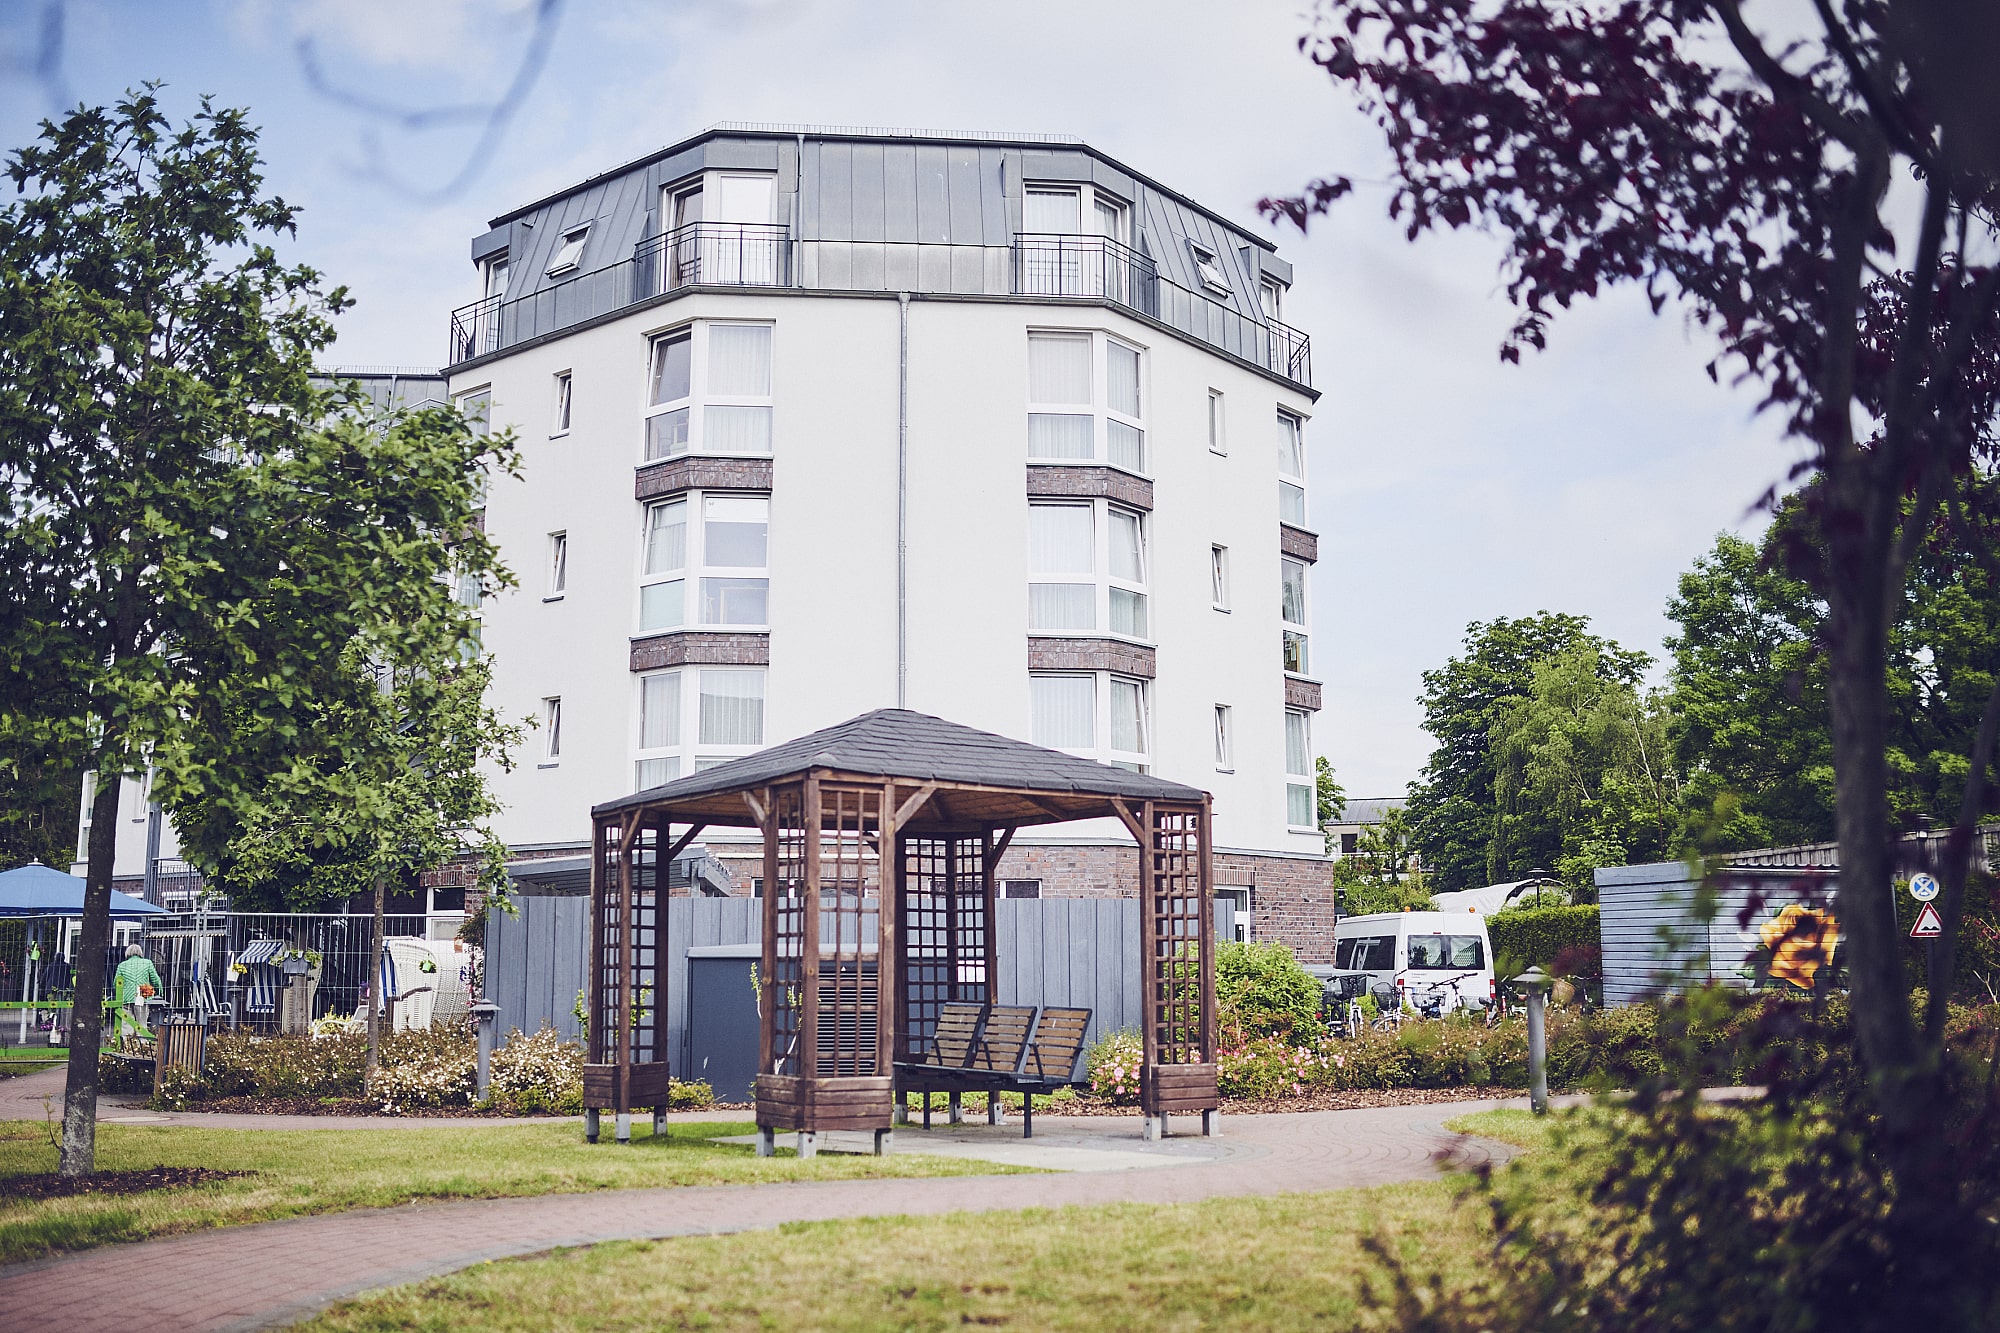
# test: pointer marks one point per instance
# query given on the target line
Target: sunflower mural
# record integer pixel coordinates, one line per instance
(1797, 943)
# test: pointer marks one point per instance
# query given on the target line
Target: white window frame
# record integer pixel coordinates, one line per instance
(493, 271)
(569, 251)
(1239, 897)
(1291, 471)
(1099, 408)
(1102, 747)
(565, 383)
(715, 257)
(482, 426)
(1218, 577)
(1299, 629)
(1208, 270)
(696, 566)
(699, 399)
(1089, 198)
(1271, 296)
(552, 720)
(1307, 780)
(1100, 577)
(558, 567)
(1225, 739)
(688, 753)
(1218, 423)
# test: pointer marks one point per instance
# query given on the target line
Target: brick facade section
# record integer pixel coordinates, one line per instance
(687, 474)
(1302, 694)
(685, 648)
(1127, 659)
(1298, 543)
(1045, 479)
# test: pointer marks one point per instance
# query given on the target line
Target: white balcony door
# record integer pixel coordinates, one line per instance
(742, 254)
(1054, 266)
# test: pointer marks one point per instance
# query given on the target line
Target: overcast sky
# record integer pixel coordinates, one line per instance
(1446, 487)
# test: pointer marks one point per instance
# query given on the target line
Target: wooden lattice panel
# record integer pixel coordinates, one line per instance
(1179, 939)
(845, 1016)
(941, 911)
(785, 925)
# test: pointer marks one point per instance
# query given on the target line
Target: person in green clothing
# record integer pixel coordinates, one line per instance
(136, 978)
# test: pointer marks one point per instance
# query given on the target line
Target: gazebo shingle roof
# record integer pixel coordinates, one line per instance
(916, 747)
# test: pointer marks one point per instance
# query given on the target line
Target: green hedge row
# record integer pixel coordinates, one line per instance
(1539, 936)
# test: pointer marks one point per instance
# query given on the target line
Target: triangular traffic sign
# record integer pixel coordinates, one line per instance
(1929, 925)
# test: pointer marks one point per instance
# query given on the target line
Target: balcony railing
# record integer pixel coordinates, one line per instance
(1038, 264)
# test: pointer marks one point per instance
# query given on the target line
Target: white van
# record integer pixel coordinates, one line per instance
(1420, 953)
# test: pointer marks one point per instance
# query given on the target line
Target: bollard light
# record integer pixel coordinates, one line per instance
(485, 1013)
(1535, 983)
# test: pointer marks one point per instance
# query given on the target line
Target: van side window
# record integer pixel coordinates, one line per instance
(1438, 952)
(1365, 953)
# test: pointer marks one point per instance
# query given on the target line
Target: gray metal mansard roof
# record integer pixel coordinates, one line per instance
(1027, 783)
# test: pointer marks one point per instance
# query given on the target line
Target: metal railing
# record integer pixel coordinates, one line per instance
(1039, 264)
(196, 954)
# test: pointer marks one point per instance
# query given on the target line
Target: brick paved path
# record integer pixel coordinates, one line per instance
(273, 1273)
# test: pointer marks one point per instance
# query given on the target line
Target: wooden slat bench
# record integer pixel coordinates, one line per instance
(993, 1049)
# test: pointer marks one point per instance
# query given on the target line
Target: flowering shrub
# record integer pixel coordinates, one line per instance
(442, 1075)
(178, 1087)
(538, 1072)
(1113, 1065)
(334, 1025)
(1269, 1068)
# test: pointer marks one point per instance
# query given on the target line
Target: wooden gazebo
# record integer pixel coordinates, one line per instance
(881, 838)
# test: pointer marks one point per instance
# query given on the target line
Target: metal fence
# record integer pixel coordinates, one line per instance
(1064, 951)
(763, 255)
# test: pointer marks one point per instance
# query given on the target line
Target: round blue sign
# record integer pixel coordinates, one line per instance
(1923, 887)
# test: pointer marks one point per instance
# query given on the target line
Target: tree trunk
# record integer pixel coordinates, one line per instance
(86, 1019)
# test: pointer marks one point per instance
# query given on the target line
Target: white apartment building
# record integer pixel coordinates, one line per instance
(814, 422)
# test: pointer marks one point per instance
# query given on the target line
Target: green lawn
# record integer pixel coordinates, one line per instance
(328, 1170)
(1291, 1261)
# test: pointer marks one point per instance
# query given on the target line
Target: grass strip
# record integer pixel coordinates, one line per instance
(1281, 1262)
(331, 1170)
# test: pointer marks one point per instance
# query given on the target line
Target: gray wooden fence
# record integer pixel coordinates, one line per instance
(1068, 951)
(1662, 934)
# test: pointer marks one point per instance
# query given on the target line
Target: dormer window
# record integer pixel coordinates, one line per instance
(1271, 295)
(1208, 271)
(569, 252)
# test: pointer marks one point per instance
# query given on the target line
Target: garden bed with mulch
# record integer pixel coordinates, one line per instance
(362, 1106)
(1331, 1099)
(55, 1186)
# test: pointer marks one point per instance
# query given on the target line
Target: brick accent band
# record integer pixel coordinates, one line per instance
(700, 648)
(686, 474)
(1302, 694)
(1298, 543)
(1127, 659)
(1108, 482)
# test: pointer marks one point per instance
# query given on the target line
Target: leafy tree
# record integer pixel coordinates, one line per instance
(1385, 873)
(1452, 806)
(1667, 144)
(386, 784)
(1332, 798)
(196, 538)
(1751, 730)
(1582, 776)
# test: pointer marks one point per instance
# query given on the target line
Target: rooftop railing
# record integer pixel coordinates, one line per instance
(736, 255)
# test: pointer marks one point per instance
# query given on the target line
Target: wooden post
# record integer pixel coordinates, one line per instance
(767, 991)
(1206, 868)
(989, 861)
(888, 939)
(1158, 987)
(809, 941)
(628, 841)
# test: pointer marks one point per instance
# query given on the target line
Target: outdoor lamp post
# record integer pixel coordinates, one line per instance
(1535, 984)
(485, 1013)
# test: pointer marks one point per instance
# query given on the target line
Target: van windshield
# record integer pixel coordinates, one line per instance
(1365, 953)
(1439, 952)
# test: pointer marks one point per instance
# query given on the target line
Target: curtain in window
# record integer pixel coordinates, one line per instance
(1291, 504)
(1125, 446)
(1064, 711)
(1059, 368)
(1062, 606)
(1052, 210)
(732, 707)
(735, 601)
(1292, 598)
(1128, 613)
(666, 538)
(1122, 379)
(1300, 805)
(1060, 539)
(1054, 435)
(660, 711)
(739, 360)
(1291, 446)
(655, 772)
(1128, 716)
(1298, 745)
(1128, 554)
(736, 430)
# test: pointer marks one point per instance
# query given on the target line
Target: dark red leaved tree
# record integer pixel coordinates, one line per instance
(1823, 202)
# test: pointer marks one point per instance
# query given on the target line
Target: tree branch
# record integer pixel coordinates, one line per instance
(1870, 88)
(1782, 81)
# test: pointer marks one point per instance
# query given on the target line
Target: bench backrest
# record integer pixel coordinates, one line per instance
(952, 1040)
(1001, 1045)
(1058, 1041)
